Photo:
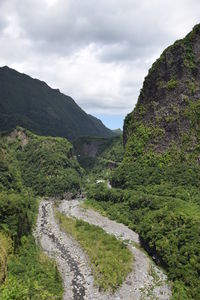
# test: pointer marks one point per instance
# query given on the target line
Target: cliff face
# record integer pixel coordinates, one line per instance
(97, 154)
(161, 167)
(167, 114)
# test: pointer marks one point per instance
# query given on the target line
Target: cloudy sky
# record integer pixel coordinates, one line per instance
(97, 51)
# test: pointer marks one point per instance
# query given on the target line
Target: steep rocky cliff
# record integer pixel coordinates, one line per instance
(160, 173)
(167, 115)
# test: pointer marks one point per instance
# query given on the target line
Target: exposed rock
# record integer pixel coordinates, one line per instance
(169, 102)
(18, 134)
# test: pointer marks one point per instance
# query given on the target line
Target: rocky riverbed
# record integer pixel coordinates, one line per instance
(146, 281)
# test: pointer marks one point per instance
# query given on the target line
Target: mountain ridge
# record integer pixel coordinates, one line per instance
(31, 103)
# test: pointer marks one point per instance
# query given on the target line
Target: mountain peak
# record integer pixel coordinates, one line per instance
(168, 108)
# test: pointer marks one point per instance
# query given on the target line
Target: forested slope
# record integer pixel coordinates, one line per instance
(32, 104)
(30, 166)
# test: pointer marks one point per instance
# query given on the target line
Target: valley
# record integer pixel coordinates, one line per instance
(88, 213)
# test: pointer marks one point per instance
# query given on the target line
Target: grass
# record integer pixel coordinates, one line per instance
(90, 203)
(5, 250)
(110, 258)
(113, 211)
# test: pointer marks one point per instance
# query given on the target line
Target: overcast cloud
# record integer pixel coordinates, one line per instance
(97, 51)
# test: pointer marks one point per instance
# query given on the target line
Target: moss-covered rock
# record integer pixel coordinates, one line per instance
(169, 99)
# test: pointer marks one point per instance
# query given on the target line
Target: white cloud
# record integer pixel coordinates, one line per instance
(98, 52)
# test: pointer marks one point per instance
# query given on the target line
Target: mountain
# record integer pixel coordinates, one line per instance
(167, 114)
(32, 104)
(156, 189)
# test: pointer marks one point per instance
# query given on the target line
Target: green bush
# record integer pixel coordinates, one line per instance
(17, 214)
(31, 275)
(48, 167)
(172, 83)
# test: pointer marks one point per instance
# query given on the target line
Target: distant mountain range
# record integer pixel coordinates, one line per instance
(32, 104)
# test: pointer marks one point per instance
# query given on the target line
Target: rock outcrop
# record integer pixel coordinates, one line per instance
(167, 114)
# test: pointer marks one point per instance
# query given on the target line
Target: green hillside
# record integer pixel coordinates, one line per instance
(32, 104)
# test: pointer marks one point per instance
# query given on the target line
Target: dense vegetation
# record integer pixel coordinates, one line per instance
(46, 165)
(32, 104)
(168, 223)
(111, 260)
(31, 275)
(17, 204)
(5, 251)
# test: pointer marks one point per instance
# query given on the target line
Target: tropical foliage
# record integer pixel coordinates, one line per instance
(167, 217)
